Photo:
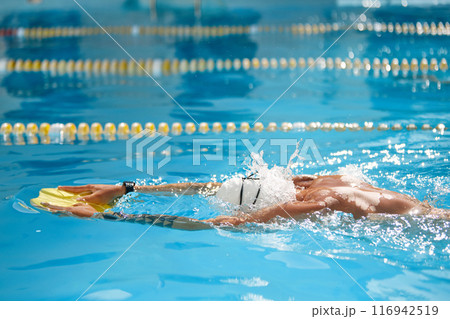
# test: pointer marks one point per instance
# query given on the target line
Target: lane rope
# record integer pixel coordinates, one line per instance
(159, 67)
(434, 28)
(59, 133)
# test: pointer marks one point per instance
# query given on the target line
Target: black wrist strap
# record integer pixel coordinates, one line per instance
(129, 186)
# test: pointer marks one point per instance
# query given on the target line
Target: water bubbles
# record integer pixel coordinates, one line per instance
(400, 240)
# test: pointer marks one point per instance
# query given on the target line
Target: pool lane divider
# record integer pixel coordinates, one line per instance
(434, 28)
(59, 133)
(158, 67)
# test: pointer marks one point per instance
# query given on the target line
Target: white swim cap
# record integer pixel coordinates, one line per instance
(240, 191)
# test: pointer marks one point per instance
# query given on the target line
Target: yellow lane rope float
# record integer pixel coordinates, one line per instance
(438, 28)
(59, 133)
(158, 67)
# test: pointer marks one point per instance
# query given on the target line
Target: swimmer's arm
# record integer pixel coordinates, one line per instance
(180, 188)
(81, 210)
(104, 194)
(87, 211)
(287, 210)
(168, 221)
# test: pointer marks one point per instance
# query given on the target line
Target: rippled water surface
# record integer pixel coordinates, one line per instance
(320, 257)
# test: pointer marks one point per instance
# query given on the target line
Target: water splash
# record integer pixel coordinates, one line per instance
(276, 181)
(356, 171)
(402, 241)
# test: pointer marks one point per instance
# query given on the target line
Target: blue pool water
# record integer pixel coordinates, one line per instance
(45, 257)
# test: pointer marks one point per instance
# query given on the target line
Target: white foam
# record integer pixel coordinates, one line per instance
(355, 171)
(276, 182)
(353, 181)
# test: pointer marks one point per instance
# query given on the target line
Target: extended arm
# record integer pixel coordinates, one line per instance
(103, 194)
(176, 222)
(286, 210)
(180, 188)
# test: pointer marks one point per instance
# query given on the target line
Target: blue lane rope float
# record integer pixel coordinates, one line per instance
(59, 133)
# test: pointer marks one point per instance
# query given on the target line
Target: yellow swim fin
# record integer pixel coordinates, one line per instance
(62, 198)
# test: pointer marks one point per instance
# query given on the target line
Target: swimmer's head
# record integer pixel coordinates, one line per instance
(239, 191)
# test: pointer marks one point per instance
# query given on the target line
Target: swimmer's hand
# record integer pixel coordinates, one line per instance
(80, 210)
(226, 220)
(99, 194)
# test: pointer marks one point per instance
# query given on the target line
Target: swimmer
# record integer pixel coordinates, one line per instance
(312, 194)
